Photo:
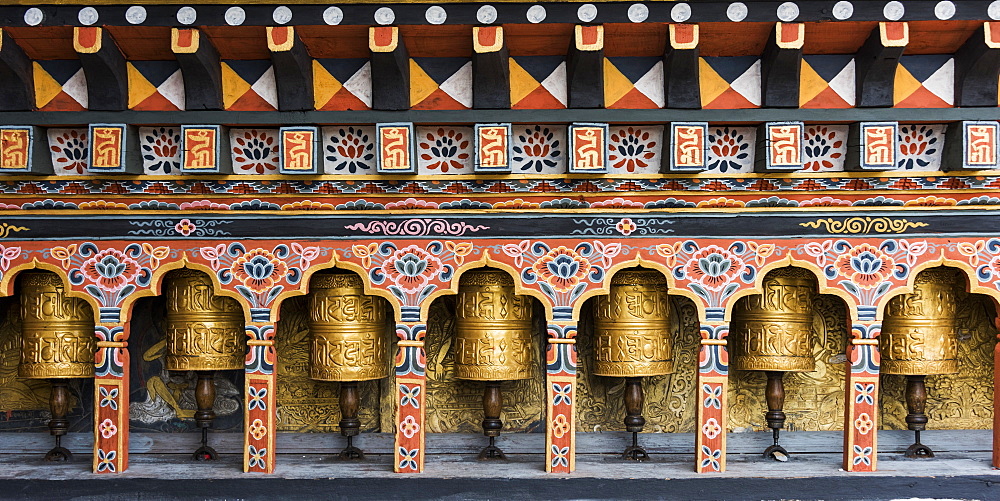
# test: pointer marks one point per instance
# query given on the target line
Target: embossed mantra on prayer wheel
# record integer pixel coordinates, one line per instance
(632, 340)
(772, 332)
(205, 333)
(57, 343)
(492, 341)
(919, 338)
(349, 330)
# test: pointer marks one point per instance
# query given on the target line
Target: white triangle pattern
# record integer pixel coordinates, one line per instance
(844, 85)
(748, 84)
(266, 88)
(360, 84)
(651, 84)
(555, 83)
(459, 85)
(942, 82)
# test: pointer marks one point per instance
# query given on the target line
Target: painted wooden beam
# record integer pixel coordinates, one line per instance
(390, 63)
(201, 66)
(293, 73)
(977, 67)
(490, 68)
(681, 83)
(781, 65)
(105, 68)
(585, 68)
(17, 85)
(876, 62)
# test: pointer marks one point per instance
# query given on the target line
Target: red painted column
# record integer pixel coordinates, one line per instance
(713, 384)
(861, 399)
(260, 420)
(560, 384)
(111, 394)
(411, 387)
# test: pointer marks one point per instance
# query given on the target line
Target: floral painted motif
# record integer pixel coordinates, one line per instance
(864, 423)
(257, 457)
(562, 268)
(410, 396)
(538, 149)
(825, 148)
(865, 393)
(411, 268)
(560, 426)
(711, 428)
(257, 429)
(713, 267)
(712, 272)
(561, 394)
(107, 429)
(444, 150)
(407, 458)
(409, 426)
(634, 149)
(712, 458)
(862, 455)
(349, 150)
(185, 227)
(920, 147)
(106, 461)
(69, 151)
(109, 398)
(258, 270)
(255, 151)
(161, 151)
(865, 265)
(730, 149)
(257, 398)
(113, 274)
(562, 273)
(110, 269)
(626, 226)
(713, 396)
(560, 456)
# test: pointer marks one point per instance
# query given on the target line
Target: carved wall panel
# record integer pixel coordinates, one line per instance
(455, 405)
(669, 400)
(955, 401)
(813, 400)
(305, 405)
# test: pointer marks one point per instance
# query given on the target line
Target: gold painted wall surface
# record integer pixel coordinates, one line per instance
(305, 405)
(813, 400)
(455, 405)
(956, 401)
(669, 399)
(17, 394)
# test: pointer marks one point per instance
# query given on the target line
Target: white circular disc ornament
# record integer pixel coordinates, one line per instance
(843, 10)
(944, 10)
(187, 15)
(235, 16)
(384, 16)
(88, 16)
(680, 12)
(893, 10)
(587, 12)
(34, 16)
(436, 14)
(282, 15)
(788, 12)
(135, 14)
(737, 11)
(333, 16)
(535, 14)
(487, 14)
(638, 13)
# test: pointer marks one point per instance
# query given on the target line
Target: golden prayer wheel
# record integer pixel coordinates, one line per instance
(919, 331)
(773, 331)
(632, 340)
(205, 332)
(919, 337)
(493, 328)
(492, 342)
(632, 327)
(57, 343)
(57, 330)
(348, 329)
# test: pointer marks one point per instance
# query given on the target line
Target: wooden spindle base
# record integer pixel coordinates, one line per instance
(916, 420)
(634, 422)
(58, 426)
(350, 424)
(492, 404)
(204, 396)
(775, 396)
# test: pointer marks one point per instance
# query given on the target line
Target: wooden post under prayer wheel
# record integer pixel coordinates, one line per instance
(205, 334)
(492, 342)
(772, 332)
(631, 326)
(919, 338)
(57, 344)
(349, 333)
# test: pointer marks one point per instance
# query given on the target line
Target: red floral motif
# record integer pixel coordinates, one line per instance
(865, 265)
(631, 148)
(445, 150)
(411, 268)
(713, 267)
(821, 147)
(258, 269)
(70, 150)
(995, 266)
(562, 268)
(110, 269)
(255, 151)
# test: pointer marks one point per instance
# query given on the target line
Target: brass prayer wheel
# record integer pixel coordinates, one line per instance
(773, 331)
(493, 328)
(348, 330)
(205, 332)
(632, 327)
(57, 330)
(919, 332)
